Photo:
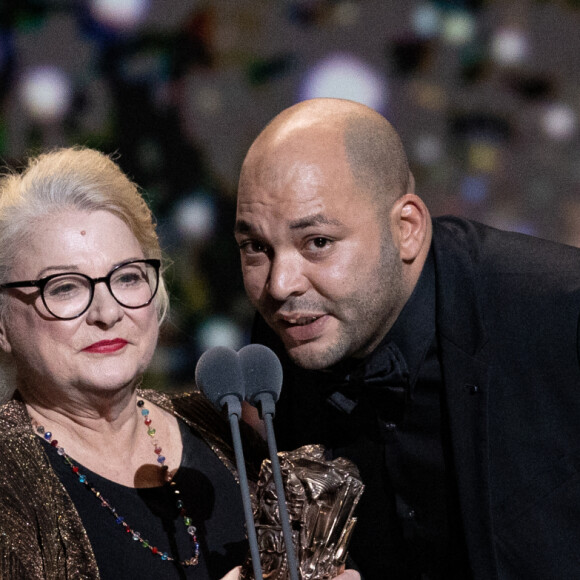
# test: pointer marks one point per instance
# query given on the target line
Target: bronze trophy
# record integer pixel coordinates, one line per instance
(321, 496)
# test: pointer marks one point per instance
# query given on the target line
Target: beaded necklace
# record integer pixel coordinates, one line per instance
(120, 520)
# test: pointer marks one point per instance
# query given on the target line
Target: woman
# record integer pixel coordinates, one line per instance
(89, 483)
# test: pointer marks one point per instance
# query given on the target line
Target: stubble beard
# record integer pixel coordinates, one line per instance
(371, 315)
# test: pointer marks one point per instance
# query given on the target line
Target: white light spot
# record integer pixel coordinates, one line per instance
(46, 93)
(119, 14)
(509, 46)
(559, 122)
(344, 76)
(219, 331)
(195, 217)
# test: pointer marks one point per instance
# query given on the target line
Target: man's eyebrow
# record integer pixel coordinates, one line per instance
(313, 220)
(243, 227)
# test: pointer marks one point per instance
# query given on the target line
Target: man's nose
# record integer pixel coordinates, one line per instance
(287, 276)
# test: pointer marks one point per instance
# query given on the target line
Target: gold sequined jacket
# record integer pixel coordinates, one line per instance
(41, 534)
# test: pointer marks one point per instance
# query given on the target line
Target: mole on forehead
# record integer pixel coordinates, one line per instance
(83, 233)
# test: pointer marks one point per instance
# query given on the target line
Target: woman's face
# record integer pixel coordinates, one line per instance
(105, 348)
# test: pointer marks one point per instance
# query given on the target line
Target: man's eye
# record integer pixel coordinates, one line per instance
(252, 247)
(320, 242)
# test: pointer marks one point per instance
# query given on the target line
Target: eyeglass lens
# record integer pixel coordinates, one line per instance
(132, 285)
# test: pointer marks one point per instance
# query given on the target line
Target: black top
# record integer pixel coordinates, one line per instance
(210, 496)
(385, 413)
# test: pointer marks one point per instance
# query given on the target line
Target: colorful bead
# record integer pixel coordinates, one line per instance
(135, 535)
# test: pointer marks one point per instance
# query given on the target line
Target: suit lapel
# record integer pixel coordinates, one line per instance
(462, 340)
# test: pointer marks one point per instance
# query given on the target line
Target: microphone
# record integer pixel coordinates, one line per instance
(219, 375)
(262, 372)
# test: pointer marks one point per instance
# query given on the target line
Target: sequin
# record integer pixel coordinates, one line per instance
(46, 546)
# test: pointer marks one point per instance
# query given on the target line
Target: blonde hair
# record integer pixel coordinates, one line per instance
(72, 178)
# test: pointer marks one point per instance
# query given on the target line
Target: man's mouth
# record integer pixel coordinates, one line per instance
(301, 321)
(302, 328)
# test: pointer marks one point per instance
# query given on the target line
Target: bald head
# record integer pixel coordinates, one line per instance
(332, 239)
(370, 145)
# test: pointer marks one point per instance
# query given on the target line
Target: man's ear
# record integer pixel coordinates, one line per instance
(411, 226)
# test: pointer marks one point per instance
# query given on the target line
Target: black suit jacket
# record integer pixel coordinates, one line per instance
(507, 322)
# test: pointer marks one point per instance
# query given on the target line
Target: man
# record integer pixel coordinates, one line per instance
(440, 355)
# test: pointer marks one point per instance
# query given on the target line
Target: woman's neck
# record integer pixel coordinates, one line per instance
(111, 437)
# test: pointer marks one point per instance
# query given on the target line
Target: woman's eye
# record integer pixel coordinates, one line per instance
(63, 288)
(129, 279)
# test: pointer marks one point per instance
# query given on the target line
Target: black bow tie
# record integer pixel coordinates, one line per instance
(381, 381)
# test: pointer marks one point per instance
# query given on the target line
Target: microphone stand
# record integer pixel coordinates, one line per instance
(267, 411)
(234, 408)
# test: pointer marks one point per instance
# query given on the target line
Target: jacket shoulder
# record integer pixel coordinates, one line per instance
(503, 251)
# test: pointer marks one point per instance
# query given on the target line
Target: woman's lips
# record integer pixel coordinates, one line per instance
(304, 328)
(106, 346)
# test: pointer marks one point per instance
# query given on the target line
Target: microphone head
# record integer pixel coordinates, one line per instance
(218, 374)
(262, 371)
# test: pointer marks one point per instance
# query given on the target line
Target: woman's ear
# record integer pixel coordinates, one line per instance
(4, 342)
(411, 226)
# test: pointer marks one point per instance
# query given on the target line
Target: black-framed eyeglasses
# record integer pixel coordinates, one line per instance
(69, 295)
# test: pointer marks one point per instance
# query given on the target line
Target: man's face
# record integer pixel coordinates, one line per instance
(318, 262)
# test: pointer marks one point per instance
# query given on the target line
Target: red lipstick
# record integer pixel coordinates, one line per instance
(106, 346)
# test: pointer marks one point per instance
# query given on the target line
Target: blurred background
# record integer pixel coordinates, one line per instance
(485, 95)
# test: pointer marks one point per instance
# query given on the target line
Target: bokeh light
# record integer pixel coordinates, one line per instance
(426, 20)
(46, 93)
(474, 189)
(220, 331)
(195, 216)
(458, 28)
(122, 15)
(428, 149)
(345, 76)
(483, 157)
(559, 121)
(510, 46)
